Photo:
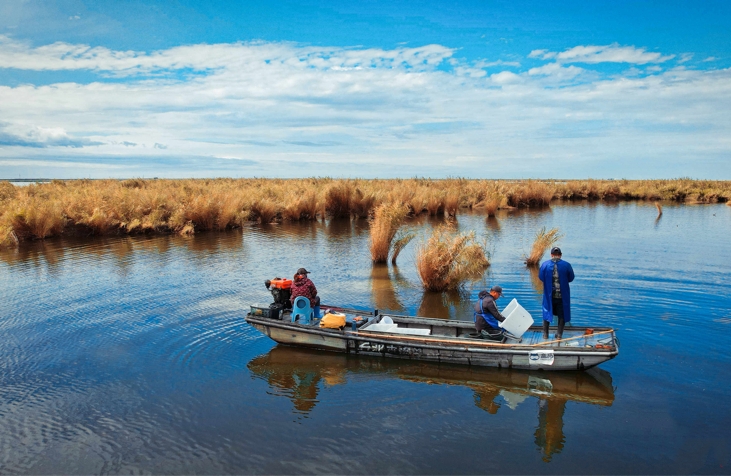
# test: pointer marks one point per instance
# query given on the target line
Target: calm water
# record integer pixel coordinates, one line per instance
(131, 355)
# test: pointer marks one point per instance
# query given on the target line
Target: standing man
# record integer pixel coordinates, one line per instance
(556, 275)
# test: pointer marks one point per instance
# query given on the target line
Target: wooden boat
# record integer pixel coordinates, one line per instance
(439, 340)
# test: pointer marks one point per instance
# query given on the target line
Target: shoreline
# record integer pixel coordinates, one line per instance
(108, 207)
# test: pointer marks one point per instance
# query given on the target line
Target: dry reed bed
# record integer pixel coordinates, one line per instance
(386, 221)
(447, 259)
(107, 207)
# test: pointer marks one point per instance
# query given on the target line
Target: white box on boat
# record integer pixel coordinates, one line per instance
(381, 327)
(386, 326)
(415, 332)
(517, 319)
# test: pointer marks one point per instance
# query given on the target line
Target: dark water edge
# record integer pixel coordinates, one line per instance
(130, 355)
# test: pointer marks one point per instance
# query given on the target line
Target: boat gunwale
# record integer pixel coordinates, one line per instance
(390, 339)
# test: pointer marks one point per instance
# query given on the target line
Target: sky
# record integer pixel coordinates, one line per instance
(367, 88)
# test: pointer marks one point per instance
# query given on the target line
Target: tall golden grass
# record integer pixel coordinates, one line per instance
(387, 219)
(544, 240)
(448, 259)
(401, 241)
(109, 207)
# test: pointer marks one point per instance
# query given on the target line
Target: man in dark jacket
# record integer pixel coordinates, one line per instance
(556, 275)
(487, 314)
(303, 286)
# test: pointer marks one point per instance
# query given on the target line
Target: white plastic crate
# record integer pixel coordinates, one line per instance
(517, 319)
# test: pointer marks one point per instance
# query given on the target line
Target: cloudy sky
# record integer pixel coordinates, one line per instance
(366, 88)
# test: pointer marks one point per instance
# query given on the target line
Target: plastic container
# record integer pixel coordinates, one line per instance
(281, 283)
(517, 319)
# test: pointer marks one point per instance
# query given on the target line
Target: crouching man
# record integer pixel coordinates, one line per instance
(487, 315)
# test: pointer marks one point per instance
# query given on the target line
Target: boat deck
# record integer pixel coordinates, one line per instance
(571, 338)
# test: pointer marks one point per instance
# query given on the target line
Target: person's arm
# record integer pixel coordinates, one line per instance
(570, 272)
(492, 309)
(545, 276)
(311, 291)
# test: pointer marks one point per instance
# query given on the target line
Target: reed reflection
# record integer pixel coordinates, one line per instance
(299, 374)
(122, 249)
(208, 243)
(299, 230)
(36, 254)
(158, 244)
(445, 305)
(382, 290)
(339, 229)
(535, 280)
(493, 224)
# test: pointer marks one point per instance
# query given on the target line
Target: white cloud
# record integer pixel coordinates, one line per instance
(25, 135)
(359, 112)
(556, 70)
(685, 57)
(542, 54)
(593, 54)
(505, 77)
(64, 56)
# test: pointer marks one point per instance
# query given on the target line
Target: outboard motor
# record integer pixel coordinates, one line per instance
(281, 291)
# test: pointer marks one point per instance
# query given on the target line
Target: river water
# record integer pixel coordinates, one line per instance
(131, 355)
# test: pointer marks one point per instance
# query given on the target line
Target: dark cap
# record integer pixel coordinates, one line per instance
(302, 271)
(555, 250)
(497, 289)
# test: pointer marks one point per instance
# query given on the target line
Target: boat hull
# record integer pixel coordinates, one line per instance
(432, 349)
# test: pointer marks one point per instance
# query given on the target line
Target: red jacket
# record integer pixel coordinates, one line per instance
(304, 287)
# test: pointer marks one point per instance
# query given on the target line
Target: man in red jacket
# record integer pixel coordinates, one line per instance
(303, 286)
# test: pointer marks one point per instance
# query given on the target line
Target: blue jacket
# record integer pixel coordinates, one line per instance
(565, 276)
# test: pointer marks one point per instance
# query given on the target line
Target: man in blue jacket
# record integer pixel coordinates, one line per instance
(556, 275)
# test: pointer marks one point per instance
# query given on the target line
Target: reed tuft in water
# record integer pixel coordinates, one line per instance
(449, 259)
(387, 219)
(492, 203)
(451, 204)
(544, 240)
(401, 241)
(659, 209)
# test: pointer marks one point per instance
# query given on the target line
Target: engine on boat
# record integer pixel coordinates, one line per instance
(281, 292)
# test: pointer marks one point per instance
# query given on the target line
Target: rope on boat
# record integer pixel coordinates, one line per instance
(476, 343)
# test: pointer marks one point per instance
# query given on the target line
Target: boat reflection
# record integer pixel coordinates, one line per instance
(299, 373)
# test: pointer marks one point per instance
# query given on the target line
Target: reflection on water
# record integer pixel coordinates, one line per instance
(382, 289)
(454, 303)
(535, 279)
(131, 355)
(493, 224)
(299, 374)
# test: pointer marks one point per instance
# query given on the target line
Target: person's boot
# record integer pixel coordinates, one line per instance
(545, 329)
(561, 324)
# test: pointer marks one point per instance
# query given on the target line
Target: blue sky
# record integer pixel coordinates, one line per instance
(365, 89)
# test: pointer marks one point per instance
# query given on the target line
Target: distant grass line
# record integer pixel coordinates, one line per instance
(137, 206)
